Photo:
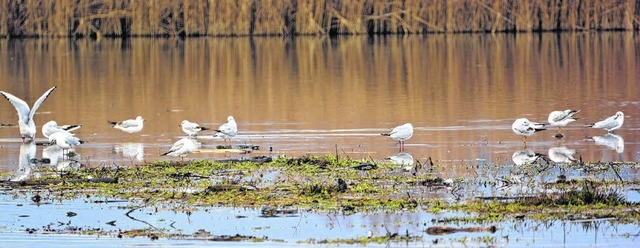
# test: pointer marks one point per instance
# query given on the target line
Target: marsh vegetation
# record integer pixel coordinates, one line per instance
(333, 185)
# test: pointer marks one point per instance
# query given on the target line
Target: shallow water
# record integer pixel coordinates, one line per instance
(315, 95)
(321, 96)
(20, 214)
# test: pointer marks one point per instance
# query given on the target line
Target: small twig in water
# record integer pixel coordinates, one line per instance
(614, 170)
(128, 214)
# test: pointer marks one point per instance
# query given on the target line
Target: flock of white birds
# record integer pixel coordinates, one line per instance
(63, 137)
(559, 119)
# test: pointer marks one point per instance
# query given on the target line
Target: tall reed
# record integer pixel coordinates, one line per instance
(308, 17)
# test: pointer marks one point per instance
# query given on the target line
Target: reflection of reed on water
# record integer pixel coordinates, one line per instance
(478, 83)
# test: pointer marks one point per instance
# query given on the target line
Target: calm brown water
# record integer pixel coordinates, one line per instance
(311, 94)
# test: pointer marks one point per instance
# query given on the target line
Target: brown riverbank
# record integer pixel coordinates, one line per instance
(49, 18)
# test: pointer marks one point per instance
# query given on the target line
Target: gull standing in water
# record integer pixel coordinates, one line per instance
(25, 114)
(610, 124)
(65, 140)
(560, 119)
(192, 129)
(181, 148)
(55, 156)
(526, 128)
(227, 130)
(129, 126)
(52, 127)
(401, 134)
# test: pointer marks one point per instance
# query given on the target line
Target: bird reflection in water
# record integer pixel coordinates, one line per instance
(526, 156)
(610, 140)
(27, 152)
(403, 158)
(134, 151)
(55, 155)
(561, 154)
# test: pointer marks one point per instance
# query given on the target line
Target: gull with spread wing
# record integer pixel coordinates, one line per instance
(25, 114)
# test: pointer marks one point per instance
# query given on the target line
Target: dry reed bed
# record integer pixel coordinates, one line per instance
(287, 17)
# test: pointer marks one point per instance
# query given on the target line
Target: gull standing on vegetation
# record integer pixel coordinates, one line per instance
(610, 124)
(560, 119)
(181, 148)
(192, 129)
(401, 134)
(25, 115)
(52, 127)
(227, 130)
(129, 126)
(65, 140)
(526, 128)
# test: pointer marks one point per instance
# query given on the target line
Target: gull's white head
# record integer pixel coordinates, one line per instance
(521, 122)
(51, 124)
(139, 118)
(230, 118)
(184, 122)
(619, 114)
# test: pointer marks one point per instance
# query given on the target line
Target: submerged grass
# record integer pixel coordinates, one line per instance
(587, 194)
(321, 183)
(584, 200)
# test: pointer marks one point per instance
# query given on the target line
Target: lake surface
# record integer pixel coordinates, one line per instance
(20, 213)
(316, 95)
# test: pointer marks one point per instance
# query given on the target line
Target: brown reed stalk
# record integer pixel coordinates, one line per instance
(62, 18)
